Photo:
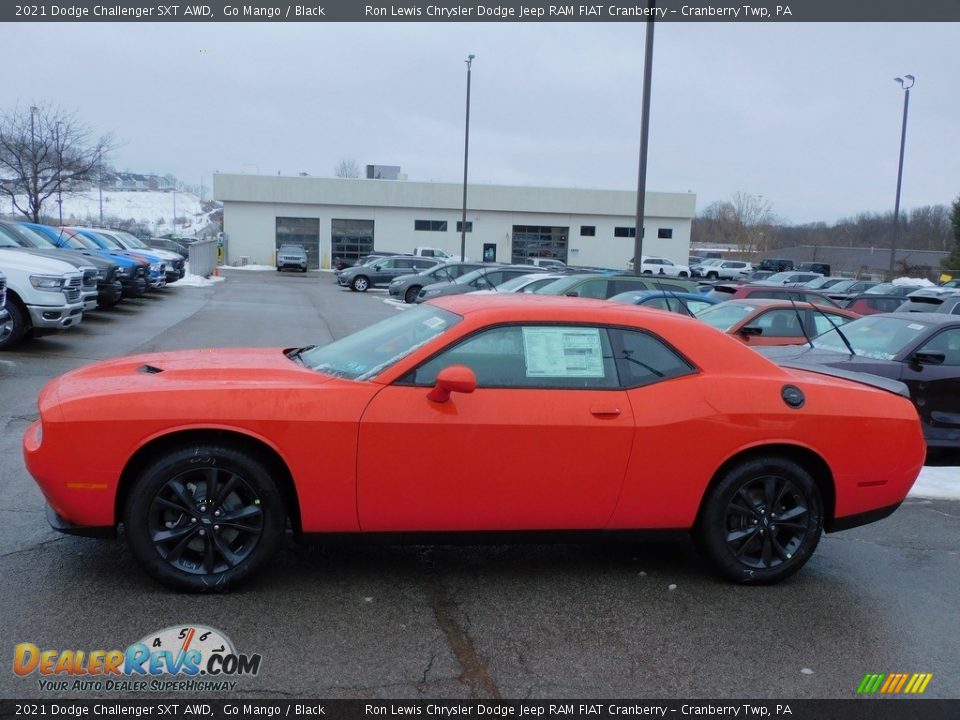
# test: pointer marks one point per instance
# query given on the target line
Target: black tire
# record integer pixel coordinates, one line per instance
(278, 269)
(410, 296)
(360, 283)
(647, 272)
(189, 541)
(303, 269)
(761, 522)
(683, 274)
(13, 330)
(712, 276)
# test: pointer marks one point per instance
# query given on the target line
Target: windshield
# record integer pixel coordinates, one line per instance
(823, 282)
(880, 338)
(368, 352)
(79, 242)
(517, 282)
(468, 278)
(133, 240)
(780, 277)
(725, 315)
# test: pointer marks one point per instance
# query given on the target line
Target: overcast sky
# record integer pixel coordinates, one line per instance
(806, 115)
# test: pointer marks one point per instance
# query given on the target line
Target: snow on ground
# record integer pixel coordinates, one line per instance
(258, 268)
(938, 482)
(189, 280)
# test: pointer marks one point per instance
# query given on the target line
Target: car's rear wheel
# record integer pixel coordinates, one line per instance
(360, 283)
(410, 296)
(204, 518)
(761, 522)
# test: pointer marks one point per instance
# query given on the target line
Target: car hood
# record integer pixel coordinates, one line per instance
(231, 368)
(869, 371)
(13, 258)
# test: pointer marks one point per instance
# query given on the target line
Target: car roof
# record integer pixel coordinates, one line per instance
(928, 317)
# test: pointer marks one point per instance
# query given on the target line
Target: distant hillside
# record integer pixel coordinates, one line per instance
(149, 212)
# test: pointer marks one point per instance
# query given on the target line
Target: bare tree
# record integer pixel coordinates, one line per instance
(45, 151)
(745, 220)
(347, 169)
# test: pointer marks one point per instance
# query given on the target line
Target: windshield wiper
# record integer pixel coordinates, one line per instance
(297, 352)
(835, 327)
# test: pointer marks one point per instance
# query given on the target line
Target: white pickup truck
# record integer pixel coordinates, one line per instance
(42, 296)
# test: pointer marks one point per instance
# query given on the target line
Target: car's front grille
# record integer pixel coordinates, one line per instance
(72, 289)
(90, 279)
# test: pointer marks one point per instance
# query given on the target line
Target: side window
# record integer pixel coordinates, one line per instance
(780, 323)
(644, 359)
(594, 289)
(946, 342)
(403, 263)
(540, 356)
(442, 274)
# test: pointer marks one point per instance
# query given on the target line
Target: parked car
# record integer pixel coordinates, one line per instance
(685, 303)
(432, 252)
(773, 322)
(847, 289)
(719, 269)
(407, 287)
(100, 286)
(921, 350)
(940, 300)
(755, 276)
(759, 291)
(42, 296)
(604, 287)
(789, 279)
(173, 263)
(525, 284)
(652, 265)
(382, 271)
(171, 245)
(871, 304)
(4, 313)
(776, 264)
(485, 277)
(155, 277)
(292, 256)
(955, 283)
(538, 407)
(819, 268)
(547, 263)
(824, 282)
(901, 289)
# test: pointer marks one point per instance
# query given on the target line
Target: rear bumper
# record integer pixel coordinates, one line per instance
(851, 521)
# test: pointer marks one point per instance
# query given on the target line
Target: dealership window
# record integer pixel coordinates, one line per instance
(625, 232)
(469, 226)
(539, 241)
(588, 230)
(430, 225)
(665, 233)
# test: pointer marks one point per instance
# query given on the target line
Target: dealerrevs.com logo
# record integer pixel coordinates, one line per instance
(177, 658)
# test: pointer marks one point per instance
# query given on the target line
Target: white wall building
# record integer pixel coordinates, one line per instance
(347, 218)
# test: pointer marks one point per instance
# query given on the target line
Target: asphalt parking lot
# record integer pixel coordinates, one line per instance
(643, 620)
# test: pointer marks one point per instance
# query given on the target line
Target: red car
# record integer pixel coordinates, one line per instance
(542, 414)
(773, 322)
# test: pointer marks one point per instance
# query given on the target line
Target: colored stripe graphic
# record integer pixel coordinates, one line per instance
(894, 683)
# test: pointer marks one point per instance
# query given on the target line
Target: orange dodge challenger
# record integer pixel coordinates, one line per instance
(542, 414)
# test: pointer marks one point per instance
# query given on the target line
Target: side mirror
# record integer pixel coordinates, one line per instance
(455, 378)
(751, 330)
(573, 294)
(378, 266)
(927, 358)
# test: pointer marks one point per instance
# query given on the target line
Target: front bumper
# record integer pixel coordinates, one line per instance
(46, 318)
(109, 293)
(157, 283)
(394, 291)
(89, 298)
(134, 287)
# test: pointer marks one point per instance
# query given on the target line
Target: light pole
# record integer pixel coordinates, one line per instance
(59, 172)
(466, 152)
(644, 137)
(906, 82)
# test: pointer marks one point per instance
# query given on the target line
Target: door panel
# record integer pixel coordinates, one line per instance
(495, 459)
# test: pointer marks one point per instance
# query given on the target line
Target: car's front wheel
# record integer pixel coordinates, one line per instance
(410, 297)
(15, 327)
(712, 276)
(761, 522)
(360, 283)
(204, 518)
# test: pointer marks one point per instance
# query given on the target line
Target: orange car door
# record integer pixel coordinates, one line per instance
(542, 443)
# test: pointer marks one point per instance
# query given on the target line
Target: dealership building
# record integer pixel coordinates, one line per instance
(348, 218)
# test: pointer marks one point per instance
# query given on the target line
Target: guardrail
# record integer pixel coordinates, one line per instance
(203, 257)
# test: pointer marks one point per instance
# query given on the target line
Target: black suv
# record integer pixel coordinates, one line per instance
(776, 265)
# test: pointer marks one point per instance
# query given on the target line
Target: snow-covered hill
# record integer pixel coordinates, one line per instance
(152, 209)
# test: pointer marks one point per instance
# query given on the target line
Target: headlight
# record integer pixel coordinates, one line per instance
(121, 272)
(47, 282)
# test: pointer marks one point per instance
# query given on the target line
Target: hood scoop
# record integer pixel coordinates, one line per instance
(149, 369)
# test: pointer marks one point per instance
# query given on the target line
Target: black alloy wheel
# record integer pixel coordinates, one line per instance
(410, 296)
(761, 522)
(204, 518)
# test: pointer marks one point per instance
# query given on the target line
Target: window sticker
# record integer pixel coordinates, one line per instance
(433, 323)
(914, 326)
(563, 352)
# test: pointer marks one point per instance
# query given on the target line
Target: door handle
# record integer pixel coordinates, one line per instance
(599, 411)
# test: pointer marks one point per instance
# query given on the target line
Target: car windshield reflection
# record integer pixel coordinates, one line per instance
(879, 338)
(366, 353)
